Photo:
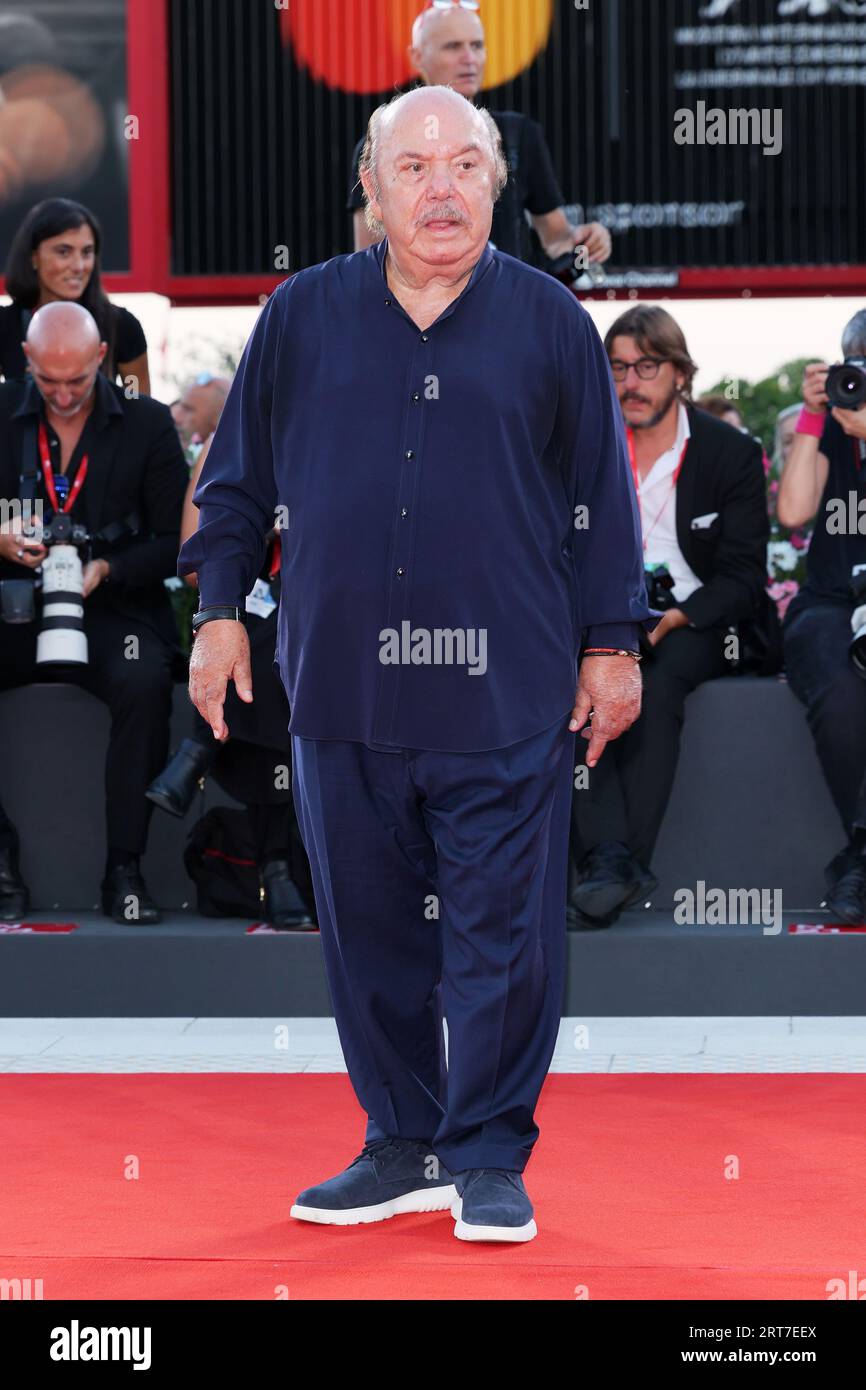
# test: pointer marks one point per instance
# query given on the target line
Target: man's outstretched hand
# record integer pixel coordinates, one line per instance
(220, 653)
(610, 686)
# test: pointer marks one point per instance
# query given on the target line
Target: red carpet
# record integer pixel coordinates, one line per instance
(628, 1181)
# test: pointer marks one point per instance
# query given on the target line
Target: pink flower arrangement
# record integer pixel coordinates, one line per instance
(781, 591)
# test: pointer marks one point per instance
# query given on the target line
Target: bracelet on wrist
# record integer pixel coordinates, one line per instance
(613, 651)
(215, 612)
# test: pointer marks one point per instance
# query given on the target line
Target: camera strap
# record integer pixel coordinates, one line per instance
(29, 470)
(48, 474)
(115, 531)
(110, 534)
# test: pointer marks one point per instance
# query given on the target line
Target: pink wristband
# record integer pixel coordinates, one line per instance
(810, 423)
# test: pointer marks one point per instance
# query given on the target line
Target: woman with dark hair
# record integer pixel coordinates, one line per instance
(55, 255)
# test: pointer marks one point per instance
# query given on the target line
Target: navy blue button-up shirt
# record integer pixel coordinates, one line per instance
(458, 512)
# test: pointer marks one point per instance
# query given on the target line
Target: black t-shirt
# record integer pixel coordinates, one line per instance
(532, 186)
(129, 341)
(832, 556)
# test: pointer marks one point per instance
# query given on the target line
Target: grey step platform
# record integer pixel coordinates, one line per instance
(52, 754)
(749, 809)
(645, 966)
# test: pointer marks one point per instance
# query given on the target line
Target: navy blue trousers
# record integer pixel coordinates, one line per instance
(440, 884)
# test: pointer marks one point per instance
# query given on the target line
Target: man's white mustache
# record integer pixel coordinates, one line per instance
(443, 215)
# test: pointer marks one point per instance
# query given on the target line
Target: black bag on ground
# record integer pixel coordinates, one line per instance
(220, 858)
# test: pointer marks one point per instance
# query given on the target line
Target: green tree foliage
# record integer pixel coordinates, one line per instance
(759, 402)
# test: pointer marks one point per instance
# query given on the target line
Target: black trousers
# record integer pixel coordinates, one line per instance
(138, 693)
(820, 673)
(259, 745)
(629, 788)
(247, 772)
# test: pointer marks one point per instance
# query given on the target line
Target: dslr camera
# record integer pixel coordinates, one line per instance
(61, 640)
(660, 587)
(846, 384)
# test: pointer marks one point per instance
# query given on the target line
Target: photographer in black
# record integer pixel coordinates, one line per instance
(112, 468)
(825, 478)
(449, 49)
(701, 492)
(253, 766)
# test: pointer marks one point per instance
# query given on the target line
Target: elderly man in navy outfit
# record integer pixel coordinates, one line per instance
(435, 426)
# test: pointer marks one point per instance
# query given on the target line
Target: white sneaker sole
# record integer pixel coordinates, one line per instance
(465, 1231)
(425, 1199)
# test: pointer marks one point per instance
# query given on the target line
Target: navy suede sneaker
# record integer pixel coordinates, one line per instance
(388, 1178)
(492, 1204)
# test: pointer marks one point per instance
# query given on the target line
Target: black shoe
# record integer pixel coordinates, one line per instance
(605, 881)
(126, 899)
(645, 882)
(846, 902)
(840, 864)
(14, 896)
(173, 790)
(285, 909)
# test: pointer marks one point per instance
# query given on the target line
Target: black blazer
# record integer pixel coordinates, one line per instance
(722, 473)
(136, 465)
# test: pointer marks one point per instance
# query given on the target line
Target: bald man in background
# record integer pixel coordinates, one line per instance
(72, 441)
(449, 49)
(197, 411)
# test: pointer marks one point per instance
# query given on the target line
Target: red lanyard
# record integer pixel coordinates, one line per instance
(633, 460)
(48, 473)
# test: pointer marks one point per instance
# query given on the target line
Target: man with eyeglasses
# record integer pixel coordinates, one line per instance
(702, 497)
(449, 49)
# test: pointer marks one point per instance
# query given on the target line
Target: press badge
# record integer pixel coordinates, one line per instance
(260, 600)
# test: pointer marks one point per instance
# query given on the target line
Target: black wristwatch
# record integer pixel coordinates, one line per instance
(206, 615)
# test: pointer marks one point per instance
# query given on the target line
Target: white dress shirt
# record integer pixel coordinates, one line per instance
(658, 510)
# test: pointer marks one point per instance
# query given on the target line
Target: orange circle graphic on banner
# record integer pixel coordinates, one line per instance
(361, 45)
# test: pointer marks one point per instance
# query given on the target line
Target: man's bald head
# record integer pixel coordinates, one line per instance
(198, 410)
(449, 49)
(434, 102)
(64, 353)
(63, 327)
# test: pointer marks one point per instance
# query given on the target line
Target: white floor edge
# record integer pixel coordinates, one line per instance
(267, 1045)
